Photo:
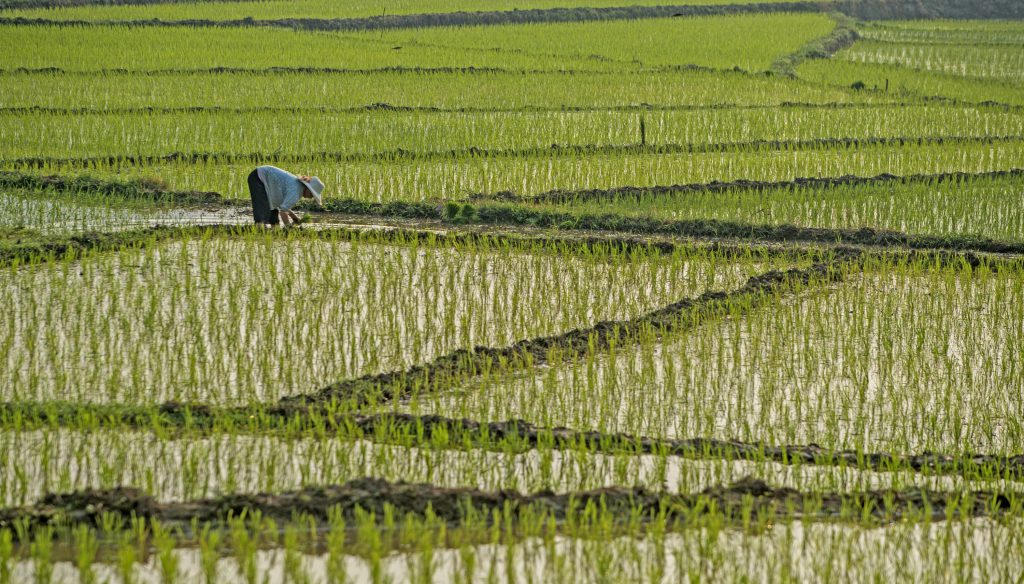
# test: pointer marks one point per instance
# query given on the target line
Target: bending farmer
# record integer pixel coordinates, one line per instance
(274, 192)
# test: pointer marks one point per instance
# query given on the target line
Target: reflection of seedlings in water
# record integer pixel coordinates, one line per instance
(736, 503)
(360, 306)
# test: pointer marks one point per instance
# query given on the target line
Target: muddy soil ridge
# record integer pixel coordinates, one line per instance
(462, 363)
(738, 503)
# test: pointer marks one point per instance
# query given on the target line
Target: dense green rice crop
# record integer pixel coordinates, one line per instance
(749, 42)
(138, 49)
(275, 9)
(455, 178)
(449, 90)
(350, 134)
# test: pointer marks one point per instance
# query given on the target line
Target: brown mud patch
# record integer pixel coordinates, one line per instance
(740, 503)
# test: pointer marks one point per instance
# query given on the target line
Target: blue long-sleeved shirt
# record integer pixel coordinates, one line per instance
(283, 188)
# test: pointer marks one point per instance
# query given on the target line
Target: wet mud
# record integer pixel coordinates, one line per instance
(443, 371)
(475, 152)
(741, 503)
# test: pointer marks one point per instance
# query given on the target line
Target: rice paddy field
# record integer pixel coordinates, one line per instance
(604, 291)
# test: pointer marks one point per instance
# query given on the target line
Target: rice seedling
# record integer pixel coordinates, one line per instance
(753, 40)
(142, 49)
(417, 180)
(984, 206)
(903, 359)
(210, 327)
(453, 90)
(446, 134)
(181, 469)
(452, 404)
(314, 9)
(60, 212)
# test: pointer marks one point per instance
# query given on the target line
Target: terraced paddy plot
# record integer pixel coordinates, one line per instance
(957, 32)
(797, 393)
(455, 178)
(184, 468)
(749, 42)
(449, 134)
(910, 83)
(450, 90)
(929, 552)
(997, 62)
(902, 359)
(993, 207)
(276, 9)
(211, 327)
(142, 49)
(53, 213)
(678, 42)
(972, 61)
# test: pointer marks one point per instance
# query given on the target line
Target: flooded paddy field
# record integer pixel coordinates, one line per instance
(215, 308)
(902, 358)
(721, 291)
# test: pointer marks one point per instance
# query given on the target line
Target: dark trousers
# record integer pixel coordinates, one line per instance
(261, 211)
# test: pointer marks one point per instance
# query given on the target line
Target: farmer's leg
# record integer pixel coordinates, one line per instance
(260, 203)
(275, 217)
